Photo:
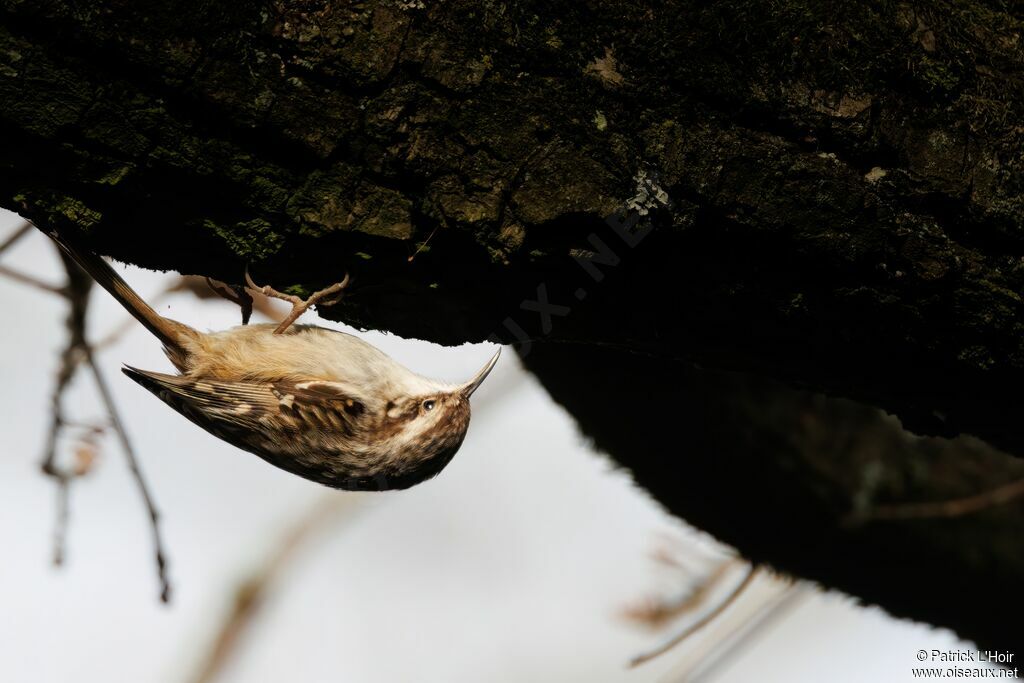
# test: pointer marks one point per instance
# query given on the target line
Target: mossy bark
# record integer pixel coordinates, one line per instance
(829, 194)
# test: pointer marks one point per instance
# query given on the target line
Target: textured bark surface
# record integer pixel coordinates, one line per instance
(830, 194)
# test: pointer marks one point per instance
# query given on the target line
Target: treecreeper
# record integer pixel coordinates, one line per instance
(319, 403)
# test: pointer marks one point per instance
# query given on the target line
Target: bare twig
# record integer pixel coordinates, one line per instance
(251, 594)
(657, 612)
(25, 228)
(700, 623)
(423, 244)
(77, 294)
(133, 465)
(60, 529)
(24, 279)
(707, 665)
(957, 507)
(77, 351)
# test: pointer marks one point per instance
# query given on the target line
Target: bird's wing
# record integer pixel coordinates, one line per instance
(230, 409)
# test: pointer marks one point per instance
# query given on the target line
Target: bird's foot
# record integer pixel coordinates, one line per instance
(235, 294)
(327, 296)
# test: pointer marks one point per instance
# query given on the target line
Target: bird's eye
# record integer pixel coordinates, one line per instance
(429, 404)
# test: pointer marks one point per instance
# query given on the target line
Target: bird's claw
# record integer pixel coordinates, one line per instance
(236, 294)
(322, 297)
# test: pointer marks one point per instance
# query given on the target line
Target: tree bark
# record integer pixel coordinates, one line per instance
(828, 194)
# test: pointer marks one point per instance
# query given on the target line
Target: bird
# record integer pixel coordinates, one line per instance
(319, 403)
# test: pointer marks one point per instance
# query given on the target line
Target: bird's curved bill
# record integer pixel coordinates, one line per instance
(469, 387)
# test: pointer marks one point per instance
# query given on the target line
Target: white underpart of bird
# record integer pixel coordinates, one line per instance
(319, 403)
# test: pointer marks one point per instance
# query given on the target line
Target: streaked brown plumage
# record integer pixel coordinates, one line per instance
(321, 404)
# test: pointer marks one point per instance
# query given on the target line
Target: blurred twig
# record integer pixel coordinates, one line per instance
(77, 292)
(956, 507)
(24, 279)
(78, 351)
(725, 634)
(251, 595)
(85, 456)
(700, 623)
(133, 466)
(751, 627)
(18, 233)
(657, 612)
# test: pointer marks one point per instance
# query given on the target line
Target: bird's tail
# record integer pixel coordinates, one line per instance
(173, 334)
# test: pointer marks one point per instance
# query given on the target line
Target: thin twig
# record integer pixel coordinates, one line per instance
(700, 623)
(705, 666)
(658, 612)
(252, 594)
(133, 465)
(423, 245)
(15, 236)
(31, 281)
(78, 350)
(60, 528)
(948, 509)
(77, 294)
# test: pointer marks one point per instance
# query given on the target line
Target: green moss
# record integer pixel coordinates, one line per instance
(75, 211)
(382, 212)
(10, 61)
(253, 241)
(114, 176)
(337, 200)
(937, 76)
(267, 193)
(321, 204)
(977, 356)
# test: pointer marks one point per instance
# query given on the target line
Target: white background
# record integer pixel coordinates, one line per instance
(515, 564)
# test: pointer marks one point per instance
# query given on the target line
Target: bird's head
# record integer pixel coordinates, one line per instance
(426, 427)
